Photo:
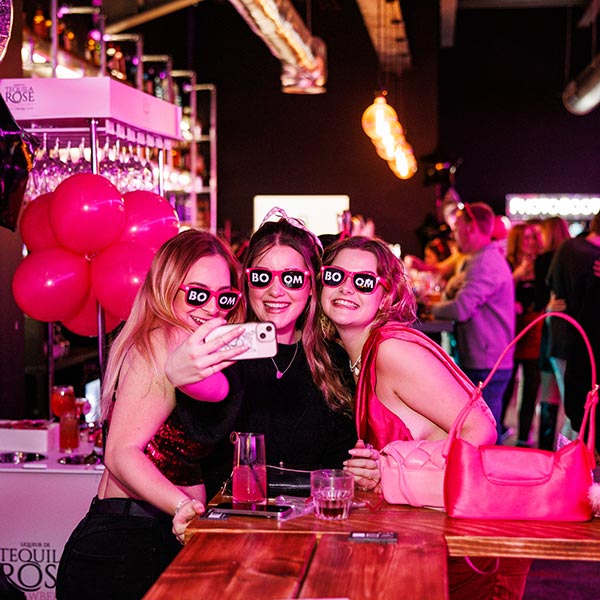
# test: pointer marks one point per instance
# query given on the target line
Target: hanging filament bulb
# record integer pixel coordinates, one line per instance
(377, 115)
(386, 144)
(404, 164)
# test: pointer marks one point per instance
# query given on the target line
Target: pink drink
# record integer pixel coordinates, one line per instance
(68, 431)
(249, 486)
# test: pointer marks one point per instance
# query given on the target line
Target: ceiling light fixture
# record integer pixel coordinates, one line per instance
(582, 94)
(380, 121)
(303, 56)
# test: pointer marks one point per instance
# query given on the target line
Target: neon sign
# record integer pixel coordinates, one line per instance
(568, 206)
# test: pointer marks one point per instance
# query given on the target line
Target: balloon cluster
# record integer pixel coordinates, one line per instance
(88, 244)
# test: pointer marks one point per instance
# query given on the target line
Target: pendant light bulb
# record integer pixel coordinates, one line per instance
(377, 115)
(386, 144)
(404, 164)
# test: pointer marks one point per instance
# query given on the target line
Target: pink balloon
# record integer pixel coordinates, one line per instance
(51, 284)
(34, 224)
(117, 274)
(85, 322)
(87, 213)
(151, 220)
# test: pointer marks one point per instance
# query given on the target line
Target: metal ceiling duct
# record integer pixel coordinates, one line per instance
(303, 56)
(582, 94)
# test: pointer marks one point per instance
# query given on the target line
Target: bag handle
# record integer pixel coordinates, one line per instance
(589, 417)
(406, 333)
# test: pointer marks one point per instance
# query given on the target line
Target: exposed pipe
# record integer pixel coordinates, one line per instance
(302, 55)
(582, 94)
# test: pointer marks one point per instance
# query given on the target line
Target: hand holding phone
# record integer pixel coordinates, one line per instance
(196, 359)
(259, 338)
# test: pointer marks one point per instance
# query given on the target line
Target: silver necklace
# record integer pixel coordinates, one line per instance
(279, 373)
(355, 366)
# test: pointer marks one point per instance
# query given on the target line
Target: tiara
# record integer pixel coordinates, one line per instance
(278, 212)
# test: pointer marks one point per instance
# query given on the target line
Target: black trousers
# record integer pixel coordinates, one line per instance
(118, 550)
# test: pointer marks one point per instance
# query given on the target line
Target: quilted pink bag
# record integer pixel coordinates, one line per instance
(412, 472)
(501, 482)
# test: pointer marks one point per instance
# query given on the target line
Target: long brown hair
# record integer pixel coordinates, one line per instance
(284, 233)
(555, 231)
(514, 242)
(399, 304)
(153, 305)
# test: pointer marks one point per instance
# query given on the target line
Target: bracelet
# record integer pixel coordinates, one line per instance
(182, 503)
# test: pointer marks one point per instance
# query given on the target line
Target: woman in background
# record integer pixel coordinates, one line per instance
(554, 232)
(522, 248)
(153, 470)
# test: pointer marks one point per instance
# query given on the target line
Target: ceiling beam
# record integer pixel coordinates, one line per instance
(149, 15)
(385, 24)
(591, 14)
(447, 22)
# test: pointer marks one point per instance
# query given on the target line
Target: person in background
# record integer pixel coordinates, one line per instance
(368, 307)
(153, 470)
(482, 304)
(435, 251)
(306, 426)
(439, 257)
(572, 279)
(522, 249)
(447, 264)
(554, 232)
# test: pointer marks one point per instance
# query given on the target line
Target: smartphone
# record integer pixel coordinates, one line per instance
(259, 337)
(269, 511)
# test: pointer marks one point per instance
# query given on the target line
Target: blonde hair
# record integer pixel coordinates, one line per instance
(153, 307)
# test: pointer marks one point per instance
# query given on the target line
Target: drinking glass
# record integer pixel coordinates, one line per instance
(249, 470)
(62, 399)
(332, 491)
(68, 431)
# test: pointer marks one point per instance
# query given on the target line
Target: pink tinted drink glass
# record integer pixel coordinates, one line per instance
(68, 431)
(249, 485)
(249, 470)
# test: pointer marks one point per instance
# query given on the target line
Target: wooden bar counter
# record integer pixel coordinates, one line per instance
(247, 557)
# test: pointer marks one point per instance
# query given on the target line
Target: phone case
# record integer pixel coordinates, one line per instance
(266, 512)
(259, 337)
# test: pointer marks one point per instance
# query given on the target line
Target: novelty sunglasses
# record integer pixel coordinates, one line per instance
(292, 279)
(364, 282)
(198, 296)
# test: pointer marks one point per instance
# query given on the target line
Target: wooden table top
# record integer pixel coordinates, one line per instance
(269, 565)
(305, 557)
(464, 537)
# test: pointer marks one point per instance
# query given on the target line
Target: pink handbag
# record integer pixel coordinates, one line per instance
(412, 472)
(501, 482)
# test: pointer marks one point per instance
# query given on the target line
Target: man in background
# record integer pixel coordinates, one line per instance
(480, 299)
